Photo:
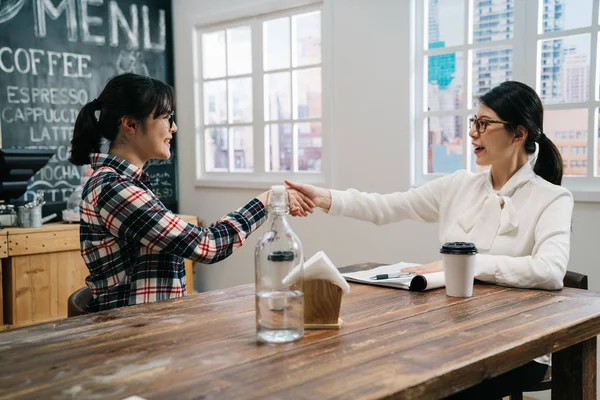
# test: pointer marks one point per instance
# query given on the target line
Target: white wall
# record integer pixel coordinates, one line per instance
(370, 138)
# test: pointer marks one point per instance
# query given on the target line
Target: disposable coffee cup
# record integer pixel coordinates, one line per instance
(458, 261)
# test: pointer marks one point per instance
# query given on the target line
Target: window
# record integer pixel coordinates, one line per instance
(563, 150)
(462, 53)
(577, 150)
(258, 89)
(461, 61)
(578, 164)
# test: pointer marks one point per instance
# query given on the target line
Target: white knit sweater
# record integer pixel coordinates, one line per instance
(522, 231)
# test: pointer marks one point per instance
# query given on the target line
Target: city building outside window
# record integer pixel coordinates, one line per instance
(463, 48)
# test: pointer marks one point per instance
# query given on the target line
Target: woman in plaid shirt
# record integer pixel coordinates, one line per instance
(133, 246)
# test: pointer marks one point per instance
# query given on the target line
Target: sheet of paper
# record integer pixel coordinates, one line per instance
(419, 282)
(364, 276)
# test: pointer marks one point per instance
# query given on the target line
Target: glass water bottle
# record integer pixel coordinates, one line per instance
(279, 276)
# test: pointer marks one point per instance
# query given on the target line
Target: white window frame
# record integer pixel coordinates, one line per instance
(254, 15)
(526, 60)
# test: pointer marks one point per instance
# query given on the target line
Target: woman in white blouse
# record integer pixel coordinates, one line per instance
(516, 212)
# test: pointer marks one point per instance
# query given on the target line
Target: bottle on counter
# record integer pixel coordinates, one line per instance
(71, 213)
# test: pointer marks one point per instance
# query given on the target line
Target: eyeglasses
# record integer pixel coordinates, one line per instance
(481, 124)
(171, 121)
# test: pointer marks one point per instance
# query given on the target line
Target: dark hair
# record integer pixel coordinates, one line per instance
(130, 95)
(520, 105)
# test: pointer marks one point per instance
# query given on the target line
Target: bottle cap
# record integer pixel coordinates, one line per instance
(278, 189)
(278, 196)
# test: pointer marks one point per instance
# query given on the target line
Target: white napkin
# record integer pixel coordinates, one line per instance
(319, 266)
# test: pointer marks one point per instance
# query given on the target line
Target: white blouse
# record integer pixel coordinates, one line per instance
(522, 231)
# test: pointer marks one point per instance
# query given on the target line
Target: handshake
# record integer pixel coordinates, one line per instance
(303, 198)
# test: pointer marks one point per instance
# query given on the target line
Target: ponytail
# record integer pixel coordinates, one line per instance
(132, 95)
(520, 105)
(87, 137)
(549, 163)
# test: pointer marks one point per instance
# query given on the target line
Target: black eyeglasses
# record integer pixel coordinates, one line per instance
(171, 121)
(481, 124)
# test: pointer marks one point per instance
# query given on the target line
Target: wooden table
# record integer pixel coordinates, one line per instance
(394, 344)
(41, 267)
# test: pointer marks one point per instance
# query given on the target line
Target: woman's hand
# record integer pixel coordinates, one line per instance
(321, 197)
(435, 266)
(299, 203)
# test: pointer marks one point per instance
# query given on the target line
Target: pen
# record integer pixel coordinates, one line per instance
(392, 276)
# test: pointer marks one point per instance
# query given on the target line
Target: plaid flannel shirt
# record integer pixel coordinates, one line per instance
(134, 247)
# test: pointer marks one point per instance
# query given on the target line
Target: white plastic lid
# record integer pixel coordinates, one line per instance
(278, 196)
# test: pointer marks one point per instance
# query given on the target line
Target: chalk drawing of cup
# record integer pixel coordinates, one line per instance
(132, 61)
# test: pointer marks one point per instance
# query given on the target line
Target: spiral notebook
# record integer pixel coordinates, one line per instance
(416, 283)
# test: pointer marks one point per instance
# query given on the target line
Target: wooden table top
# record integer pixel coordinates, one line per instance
(394, 343)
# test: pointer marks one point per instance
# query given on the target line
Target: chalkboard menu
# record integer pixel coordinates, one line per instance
(57, 55)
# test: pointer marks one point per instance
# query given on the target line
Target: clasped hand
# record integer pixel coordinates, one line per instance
(303, 198)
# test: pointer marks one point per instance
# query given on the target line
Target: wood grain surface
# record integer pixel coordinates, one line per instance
(394, 344)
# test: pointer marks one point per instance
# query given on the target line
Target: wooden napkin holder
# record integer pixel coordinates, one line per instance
(322, 303)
